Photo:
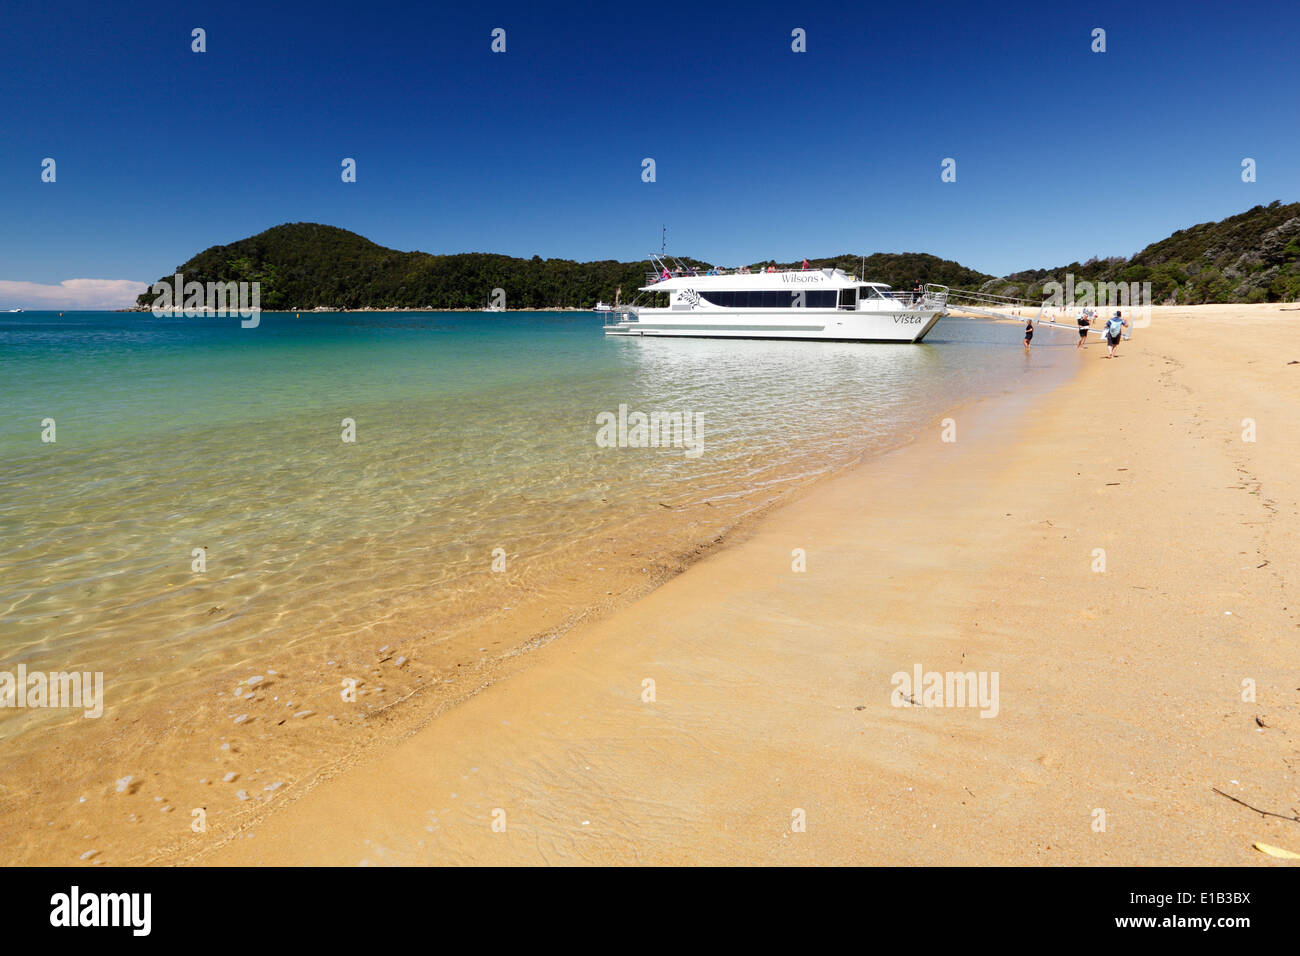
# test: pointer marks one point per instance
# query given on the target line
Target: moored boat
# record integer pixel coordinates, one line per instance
(820, 304)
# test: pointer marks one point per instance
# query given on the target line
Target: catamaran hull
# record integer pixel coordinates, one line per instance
(816, 325)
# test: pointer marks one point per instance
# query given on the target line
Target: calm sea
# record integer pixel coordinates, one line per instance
(473, 433)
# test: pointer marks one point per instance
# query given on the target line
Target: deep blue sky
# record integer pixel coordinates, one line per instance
(1061, 153)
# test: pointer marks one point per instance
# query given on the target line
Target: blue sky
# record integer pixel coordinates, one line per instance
(760, 152)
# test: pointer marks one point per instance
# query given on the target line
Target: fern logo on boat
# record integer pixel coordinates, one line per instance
(218, 299)
(656, 429)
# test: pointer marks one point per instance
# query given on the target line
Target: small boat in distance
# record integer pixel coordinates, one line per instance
(820, 304)
(15, 310)
(603, 307)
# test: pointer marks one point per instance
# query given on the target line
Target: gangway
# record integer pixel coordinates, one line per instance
(983, 303)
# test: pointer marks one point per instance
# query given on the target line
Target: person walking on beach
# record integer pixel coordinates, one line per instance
(1115, 327)
(1084, 322)
(1029, 333)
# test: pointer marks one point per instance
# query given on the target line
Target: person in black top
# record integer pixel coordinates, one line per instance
(1029, 332)
(1084, 322)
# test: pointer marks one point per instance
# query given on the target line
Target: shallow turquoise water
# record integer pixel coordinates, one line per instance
(472, 432)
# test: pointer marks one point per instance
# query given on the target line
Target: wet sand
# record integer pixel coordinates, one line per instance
(1121, 691)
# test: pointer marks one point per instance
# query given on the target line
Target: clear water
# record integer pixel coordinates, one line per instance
(473, 432)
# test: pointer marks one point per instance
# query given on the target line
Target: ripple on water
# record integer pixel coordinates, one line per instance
(173, 439)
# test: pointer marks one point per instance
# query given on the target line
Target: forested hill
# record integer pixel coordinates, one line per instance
(1251, 257)
(303, 265)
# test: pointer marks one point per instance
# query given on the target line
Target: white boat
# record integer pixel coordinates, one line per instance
(15, 310)
(820, 304)
(603, 307)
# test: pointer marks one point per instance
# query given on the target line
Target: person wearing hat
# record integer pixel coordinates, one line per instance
(1115, 327)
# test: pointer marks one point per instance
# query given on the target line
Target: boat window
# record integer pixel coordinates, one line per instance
(772, 299)
(820, 299)
(848, 298)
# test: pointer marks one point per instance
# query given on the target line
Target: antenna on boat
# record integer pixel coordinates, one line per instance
(663, 239)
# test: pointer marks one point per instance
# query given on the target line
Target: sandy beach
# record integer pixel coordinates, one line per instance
(744, 712)
(1108, 560)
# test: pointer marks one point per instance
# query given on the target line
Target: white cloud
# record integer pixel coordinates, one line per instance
(71, 294)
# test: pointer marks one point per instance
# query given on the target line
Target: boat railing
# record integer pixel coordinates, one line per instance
(621, 316)
(652, 277)
(934, 296)
(931, 296)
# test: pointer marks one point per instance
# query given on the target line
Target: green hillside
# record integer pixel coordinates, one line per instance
(304, 265)
(1251, 257)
